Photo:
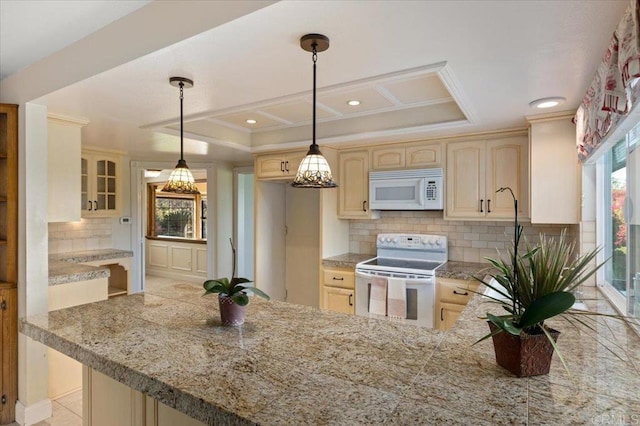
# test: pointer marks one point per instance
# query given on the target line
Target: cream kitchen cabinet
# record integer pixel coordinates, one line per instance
(556, 183)
(63, 167)
(353, 186)
(476, 169)
(408, 155)
(100, 179)
(338, 288)
(278, 166)
(451, 296)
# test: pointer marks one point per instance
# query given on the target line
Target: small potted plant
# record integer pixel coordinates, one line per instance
(531, 288)
(232, 294)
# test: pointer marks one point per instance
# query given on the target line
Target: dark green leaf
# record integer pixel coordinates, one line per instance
(545, 307)
(241, 299)
(505, 324)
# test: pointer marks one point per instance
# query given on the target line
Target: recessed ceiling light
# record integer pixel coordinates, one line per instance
(251, 121)
(547, 102)
(354, 103)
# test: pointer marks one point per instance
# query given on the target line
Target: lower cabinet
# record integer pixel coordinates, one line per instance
(338, 290)
(65, 373)
(107, 402)
(451, 298)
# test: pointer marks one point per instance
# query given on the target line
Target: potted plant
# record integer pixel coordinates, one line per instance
(533, 287)
(232, 294)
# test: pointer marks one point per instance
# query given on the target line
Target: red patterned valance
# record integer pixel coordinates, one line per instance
(613, 90)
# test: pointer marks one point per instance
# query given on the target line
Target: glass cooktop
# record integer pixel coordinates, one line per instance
(423, 265)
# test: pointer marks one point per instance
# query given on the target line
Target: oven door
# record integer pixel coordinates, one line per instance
(420, 298)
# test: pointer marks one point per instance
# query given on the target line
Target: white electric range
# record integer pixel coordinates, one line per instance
(412, 257)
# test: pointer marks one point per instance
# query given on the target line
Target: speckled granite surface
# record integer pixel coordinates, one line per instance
(347, 260)
(460, 270)
(91, 255)
(63, 272)
(67, 267)
(292, 364)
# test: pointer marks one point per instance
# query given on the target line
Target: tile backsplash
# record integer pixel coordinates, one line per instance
(88, 234)
(469, 241)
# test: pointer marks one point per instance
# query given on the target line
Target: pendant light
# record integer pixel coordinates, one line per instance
(314, 171)
(181, 180)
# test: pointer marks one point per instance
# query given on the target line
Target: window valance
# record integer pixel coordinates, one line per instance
(614, 89)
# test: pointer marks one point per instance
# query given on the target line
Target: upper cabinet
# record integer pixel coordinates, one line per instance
(353, 200)
(63, 167)
(278, 166)
(555, 170)
(406, 156)
(476, 169)
(100, 178)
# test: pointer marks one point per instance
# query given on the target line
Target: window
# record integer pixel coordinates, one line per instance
(620, 224)
(615, 245)
(176, 215)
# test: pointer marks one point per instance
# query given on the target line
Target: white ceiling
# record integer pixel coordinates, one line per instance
(492, 57)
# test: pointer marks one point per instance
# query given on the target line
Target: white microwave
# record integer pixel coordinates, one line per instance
(418, 189)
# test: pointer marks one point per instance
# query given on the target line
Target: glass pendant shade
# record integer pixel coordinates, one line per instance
(181, 180)
(314, 171)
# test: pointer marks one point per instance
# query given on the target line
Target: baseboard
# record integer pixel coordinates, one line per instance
(34, 413)
(175, 276)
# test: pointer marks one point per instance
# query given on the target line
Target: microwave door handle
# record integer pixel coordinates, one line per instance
(422, 188)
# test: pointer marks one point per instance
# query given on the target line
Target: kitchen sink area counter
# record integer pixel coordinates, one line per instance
(346, 261)
(379, 371)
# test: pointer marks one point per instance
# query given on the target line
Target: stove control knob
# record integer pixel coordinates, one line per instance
(380, 239)
(424, 241)
(432, 242)
(439, 242)
(388, 239)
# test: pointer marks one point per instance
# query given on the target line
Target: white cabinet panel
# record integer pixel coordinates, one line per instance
(181, 258)
(158, 254)
(201, 260)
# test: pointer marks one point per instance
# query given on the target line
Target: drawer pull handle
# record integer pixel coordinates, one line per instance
(351, 300)
(481, 201)
(364, 206)
(488, 206)
(460, 294)
(441, 314)
(282, 166)
(338, 279)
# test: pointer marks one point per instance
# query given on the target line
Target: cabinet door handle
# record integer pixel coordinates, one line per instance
(286, 165)
(488, 206)
(90, 205)
(441, 314)
(351, 300)
(460, 294)
(481, 201)
(338, 279)
(95, 205)
(364, 206)
(282, 166)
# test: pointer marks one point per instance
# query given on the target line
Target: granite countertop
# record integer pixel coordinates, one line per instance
(292, 364)
(461, 270)
(451, 269)
(347, 260)
(67, 267)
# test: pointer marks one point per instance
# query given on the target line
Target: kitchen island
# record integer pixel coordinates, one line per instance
(292, 364)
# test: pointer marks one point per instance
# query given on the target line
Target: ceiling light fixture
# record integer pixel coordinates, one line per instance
(251, 121)
(547, 102)
(181, 180)
(354, 103)
(314, 171)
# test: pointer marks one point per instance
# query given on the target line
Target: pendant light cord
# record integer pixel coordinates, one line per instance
(181, 84)
(315, 58)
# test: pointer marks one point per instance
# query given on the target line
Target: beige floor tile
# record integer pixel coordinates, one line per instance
(61, 417)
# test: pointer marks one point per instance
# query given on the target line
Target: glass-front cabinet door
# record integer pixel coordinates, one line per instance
(100, 194)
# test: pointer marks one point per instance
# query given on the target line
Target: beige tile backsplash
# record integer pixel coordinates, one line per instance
(469, 241)
(88, 234)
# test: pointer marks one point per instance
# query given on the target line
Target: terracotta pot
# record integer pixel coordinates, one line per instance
(230, 312)
(524, 355)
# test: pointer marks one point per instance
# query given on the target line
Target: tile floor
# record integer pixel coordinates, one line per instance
(67, 410)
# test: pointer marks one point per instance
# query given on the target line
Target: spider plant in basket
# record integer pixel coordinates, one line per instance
(232, 294)
(533, 287)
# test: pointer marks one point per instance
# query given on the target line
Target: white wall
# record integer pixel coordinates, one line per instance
(121, 234)
(245, 225)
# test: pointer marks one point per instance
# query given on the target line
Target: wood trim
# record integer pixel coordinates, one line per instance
(9, 331)
(177, 240)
